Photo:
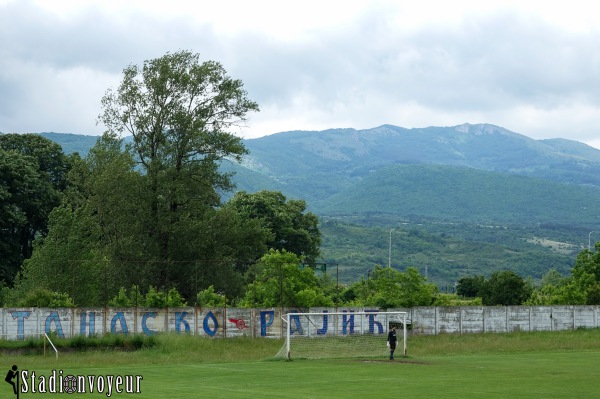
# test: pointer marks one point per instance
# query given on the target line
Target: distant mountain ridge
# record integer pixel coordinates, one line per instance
(482, 146)
(349, 171)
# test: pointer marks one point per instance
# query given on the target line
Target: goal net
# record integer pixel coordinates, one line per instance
(342, 335)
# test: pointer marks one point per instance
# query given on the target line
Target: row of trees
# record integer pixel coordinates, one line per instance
(581, 287)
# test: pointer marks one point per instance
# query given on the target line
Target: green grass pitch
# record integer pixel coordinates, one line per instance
(523, 365)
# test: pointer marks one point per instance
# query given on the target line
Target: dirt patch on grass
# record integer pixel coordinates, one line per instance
(398, 360)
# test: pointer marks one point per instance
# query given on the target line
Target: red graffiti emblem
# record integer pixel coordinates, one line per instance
(239, 323)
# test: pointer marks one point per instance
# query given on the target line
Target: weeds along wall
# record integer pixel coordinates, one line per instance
(21, 323)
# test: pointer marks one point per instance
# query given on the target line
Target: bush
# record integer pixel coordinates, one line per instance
(209, 298)
(44, 298)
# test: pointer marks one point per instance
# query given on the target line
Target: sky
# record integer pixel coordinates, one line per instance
(532, 67)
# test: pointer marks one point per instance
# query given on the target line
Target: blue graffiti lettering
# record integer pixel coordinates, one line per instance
(20, 317)
(145, 328)
(373, 323)
(323, 330)
(348, 321)
(53, 317)
(296, 319)
(179, 319)
(210, 332)
(91, 324)
(263, 321)
(120, 317)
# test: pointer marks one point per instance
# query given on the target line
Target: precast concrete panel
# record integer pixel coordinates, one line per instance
(120, 320)
(19, 323)
(88, 321)
(495, 319)
(181, 320)
(211, 322)
(239, 323)
(518, 318)
(541, 318)
(562, 318)
(584, 317)
(150, 321)
(472, 319)
(448, 320)
(424, 320)
(271, 322)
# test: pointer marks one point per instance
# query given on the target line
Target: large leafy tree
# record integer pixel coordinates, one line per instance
(32, 176)
(282, 281)
(291, 227)
(178, 111)
(586, 275)
(470, 287)
(389, 288)
(505, 288)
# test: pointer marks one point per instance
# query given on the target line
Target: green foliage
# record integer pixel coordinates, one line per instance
(430, 191)
(161, 299)
(470, 287)
(388, 288)
(132, 299)
(505, 288)
(43, 298)
(582, 287)
(32, 178)
(147, 214)
(153, 299)
(444, 252)
(291, 228)
(280, 281)
(209, 298)
(455, 300)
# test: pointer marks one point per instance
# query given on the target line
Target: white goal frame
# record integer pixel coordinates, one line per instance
(350, 325)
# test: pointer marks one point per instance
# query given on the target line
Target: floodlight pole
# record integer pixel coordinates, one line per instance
(390, 250)
(589, 240)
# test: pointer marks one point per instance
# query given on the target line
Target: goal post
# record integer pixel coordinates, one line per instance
(47, 338)
(348, 334)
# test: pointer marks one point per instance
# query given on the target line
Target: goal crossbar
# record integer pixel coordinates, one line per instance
(341, 334)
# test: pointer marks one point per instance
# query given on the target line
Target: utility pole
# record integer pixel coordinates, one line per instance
(390, 250)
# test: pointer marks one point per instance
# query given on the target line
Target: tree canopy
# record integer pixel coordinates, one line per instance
(291, 228)
(32, 177)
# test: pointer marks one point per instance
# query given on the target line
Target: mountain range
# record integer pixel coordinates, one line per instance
(439, 185)
(467, 172)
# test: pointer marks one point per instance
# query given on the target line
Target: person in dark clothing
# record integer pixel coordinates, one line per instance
(392, 341)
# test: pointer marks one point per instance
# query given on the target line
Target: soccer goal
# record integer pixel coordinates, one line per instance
(342, 334)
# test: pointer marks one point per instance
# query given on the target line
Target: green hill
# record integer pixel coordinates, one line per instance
(459, 194)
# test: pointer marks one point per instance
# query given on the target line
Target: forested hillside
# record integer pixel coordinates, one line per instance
(464, 200)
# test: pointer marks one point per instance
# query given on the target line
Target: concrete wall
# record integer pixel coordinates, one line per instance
(230, 322)
(500, 319)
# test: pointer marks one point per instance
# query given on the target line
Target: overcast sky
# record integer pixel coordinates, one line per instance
(532, 67)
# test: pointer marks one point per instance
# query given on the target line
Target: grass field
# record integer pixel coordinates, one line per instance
(519, 365)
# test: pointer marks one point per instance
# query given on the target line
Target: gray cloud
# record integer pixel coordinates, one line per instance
(511, 69)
